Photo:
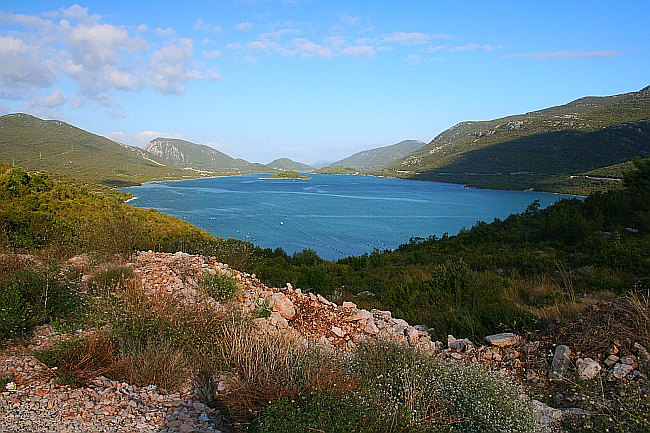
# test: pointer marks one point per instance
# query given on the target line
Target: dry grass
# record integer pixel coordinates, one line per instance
(625, 320)
(156, 362)
(80, 360)
(266, 368)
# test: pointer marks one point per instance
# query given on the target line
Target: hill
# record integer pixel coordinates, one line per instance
(200, 157)
(288, 164)
(375, 159)
(29, 142)
(526, 151)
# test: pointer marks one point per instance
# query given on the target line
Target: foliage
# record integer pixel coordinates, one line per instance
(402, 390)
(33, 295)
(337, 170)
(80, 359)
(289, 174)
(219, 286)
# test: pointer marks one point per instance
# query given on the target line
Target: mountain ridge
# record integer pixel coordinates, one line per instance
(523, 151)
(379, 157)
(59, 147)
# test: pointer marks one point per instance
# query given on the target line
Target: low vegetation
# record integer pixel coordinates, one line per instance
(522, 274)
(289, 174)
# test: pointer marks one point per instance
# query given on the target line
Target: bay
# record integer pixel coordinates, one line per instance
(337, 216)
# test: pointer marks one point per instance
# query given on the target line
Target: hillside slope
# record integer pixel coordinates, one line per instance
(200, 157)
(525, 151)
(29, 142)
(375, 159)
(288, 164)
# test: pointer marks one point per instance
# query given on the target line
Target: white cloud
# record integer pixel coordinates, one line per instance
(413, 59)
(435, 49)
(56, 99)
(100, 44)
(29, 21)
(567, 54)
(213, 54)
(171, 66)
(244, 26)
(306, 48)
(146, 136)
(206, 27)
(22, 69)
(164, 33)
(359, 51)
(413, 38)
(98, 57)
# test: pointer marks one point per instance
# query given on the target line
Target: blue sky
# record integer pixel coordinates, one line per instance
(310, 80)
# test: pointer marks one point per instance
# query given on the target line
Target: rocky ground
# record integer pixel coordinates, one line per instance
(32, 400)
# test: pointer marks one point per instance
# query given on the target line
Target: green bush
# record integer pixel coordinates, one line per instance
(33, 294)
(402, 390)
(221, 287)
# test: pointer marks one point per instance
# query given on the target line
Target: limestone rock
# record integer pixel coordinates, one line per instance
(561, 361)
(506, 339)
(338, 331)
(347, 304)
(283, 305)
(620, 371)
(371, 328)
(611, 360)
(641, 351)
(587, 368)
(276, 319)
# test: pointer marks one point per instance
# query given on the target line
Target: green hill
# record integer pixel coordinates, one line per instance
(199, 157)
(288, 164)
(528, 150)
(29, 142)
(375, 159)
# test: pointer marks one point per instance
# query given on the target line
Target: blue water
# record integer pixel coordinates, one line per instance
(338, 216)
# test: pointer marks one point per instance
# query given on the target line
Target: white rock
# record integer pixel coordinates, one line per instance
(338, 331)
(371, 328)
(587, 368)
(347, 304)
(283, 305)
(505, 339)
(620, 371)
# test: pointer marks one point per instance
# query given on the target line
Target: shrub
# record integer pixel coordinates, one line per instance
(221, 287)
(33, 294)
(81, 359)
(402, 390)
(155, 362)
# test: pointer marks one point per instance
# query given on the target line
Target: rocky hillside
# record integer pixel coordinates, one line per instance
(199, 157)
(33, 398)
(539, 148)
(29, 142)
(375, 159)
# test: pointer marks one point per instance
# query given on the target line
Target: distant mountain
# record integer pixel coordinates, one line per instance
(188, 155)
(287, 164)
(375, 159)
(321, 163)
(29, 142)
(525, 151)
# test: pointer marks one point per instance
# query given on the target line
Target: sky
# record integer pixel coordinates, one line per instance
(306, 79)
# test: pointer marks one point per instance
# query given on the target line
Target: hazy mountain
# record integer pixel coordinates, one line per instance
(526, 150)
(321, 163)
(375, 159)
(288, 164)
(30, 142)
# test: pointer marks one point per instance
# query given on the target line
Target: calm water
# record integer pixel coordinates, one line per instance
(337, 216)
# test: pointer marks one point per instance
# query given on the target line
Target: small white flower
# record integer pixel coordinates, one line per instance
(11, 386)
